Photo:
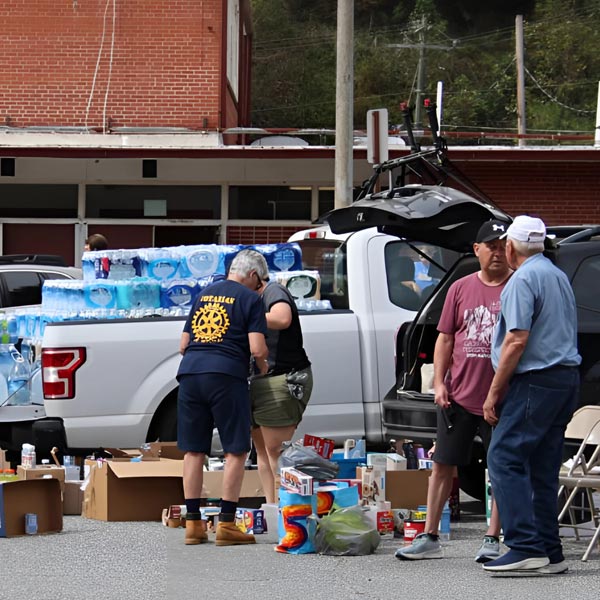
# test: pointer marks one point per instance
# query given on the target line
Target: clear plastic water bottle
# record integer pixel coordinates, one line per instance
(18, 379)
(444, 527)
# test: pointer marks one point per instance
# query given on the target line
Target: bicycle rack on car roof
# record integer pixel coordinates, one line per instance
(431, 166)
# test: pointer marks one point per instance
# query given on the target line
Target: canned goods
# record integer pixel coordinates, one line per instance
(31, 526)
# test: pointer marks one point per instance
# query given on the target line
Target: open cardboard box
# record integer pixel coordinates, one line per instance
(43, 472)
(121, 490)
(39, 496)
(405, 489)
(4, 464)
(72, 498)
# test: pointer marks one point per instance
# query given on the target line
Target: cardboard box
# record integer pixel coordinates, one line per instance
(323, 446)
(72, 498)
(296, 482)
(395, 462)
(132, 491)
(121, 490)
(373, 484)
(4, 464)
(407, 489)
(39, 496)
(43, 472)
(251, 520)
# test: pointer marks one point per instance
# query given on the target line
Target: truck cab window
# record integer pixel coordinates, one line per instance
(328, 257)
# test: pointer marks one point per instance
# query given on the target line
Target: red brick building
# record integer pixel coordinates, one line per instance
(114, 118)
(106, 64)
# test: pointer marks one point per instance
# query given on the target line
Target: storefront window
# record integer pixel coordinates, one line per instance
(152, 202)
(271, 203)
(38, 201)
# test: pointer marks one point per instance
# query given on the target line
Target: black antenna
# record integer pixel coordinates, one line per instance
(406, 115)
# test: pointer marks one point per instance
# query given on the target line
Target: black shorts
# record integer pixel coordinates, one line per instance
(454, 444)
(209, 400)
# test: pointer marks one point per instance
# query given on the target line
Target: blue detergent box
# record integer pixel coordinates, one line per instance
(251, 520)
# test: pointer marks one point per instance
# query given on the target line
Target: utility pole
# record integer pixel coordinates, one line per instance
(421, 84)
(344, 94)
(519, 54)
(420, 75)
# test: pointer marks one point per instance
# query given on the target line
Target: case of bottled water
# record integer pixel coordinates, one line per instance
(281, 257)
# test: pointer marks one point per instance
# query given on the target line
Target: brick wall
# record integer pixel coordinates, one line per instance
(259, 235)
(558, 193)
(165, 67)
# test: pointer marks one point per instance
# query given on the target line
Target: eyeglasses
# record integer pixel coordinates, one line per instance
(258, 282)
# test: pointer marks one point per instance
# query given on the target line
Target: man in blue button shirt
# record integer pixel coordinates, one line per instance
(531, 400)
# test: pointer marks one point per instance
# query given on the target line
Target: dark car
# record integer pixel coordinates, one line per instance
(22, 277)
(449, 218)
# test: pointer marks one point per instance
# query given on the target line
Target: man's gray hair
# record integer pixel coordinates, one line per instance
(527, 248)
(246, 261)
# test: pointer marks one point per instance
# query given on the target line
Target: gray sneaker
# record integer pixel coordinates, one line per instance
(422, 547)
(490, 549)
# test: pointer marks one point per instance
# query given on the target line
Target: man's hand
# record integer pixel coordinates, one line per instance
(263, 366)
(441, 395)
(489, 411)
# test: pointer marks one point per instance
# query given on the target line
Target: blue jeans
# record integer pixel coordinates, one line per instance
(525, 455)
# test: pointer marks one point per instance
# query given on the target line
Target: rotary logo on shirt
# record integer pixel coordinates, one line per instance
(211, 322)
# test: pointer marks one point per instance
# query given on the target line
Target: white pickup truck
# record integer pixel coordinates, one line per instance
(111, 383)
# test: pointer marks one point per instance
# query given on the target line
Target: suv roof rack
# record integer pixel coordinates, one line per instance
(33, 259)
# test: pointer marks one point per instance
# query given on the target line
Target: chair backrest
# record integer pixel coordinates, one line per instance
(582, 422)
(588, 453)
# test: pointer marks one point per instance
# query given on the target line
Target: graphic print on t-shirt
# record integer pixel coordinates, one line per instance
(479, 327)
(211, 321)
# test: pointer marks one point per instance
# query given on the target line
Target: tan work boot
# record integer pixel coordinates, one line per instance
(195, 531)
(229, 535)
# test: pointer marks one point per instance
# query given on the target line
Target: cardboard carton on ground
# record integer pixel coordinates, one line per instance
(39, 496)
(4, 464)
(121, 490)
(407, 489)
(72, 498)
(43, 472)
(296, 482)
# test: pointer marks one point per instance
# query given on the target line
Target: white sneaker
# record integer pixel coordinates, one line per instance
(554, 568)
(422, 547)
(489, 550)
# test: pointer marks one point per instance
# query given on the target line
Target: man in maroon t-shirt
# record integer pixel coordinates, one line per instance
(462, 375)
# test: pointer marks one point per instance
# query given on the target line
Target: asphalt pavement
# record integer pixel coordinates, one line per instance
(93, 560)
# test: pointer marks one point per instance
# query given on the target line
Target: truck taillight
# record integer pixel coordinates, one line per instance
(58, 371)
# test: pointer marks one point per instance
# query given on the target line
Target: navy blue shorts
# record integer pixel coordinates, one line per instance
(209, 400)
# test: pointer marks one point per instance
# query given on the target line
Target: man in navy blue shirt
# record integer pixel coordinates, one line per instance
(225, 328)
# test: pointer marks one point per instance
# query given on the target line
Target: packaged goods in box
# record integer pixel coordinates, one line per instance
(43, 472)
(373, 483)
(41, 497)
(296, 482)
(323, 446)
(347, 465)
(251, 520)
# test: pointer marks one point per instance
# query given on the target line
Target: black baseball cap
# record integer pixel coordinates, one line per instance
(491, 230)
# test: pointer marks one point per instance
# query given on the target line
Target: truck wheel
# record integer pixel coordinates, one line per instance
(472, 477)
(164, 424)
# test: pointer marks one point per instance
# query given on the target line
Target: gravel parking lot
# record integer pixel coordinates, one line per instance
(146, 561)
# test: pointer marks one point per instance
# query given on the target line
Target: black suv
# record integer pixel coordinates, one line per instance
(448, 218)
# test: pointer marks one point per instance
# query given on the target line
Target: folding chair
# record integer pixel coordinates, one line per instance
(582, 478)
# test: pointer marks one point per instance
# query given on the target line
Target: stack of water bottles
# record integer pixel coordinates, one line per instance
(15, 370)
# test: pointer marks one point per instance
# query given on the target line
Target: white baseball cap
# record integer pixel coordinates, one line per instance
(526, 229)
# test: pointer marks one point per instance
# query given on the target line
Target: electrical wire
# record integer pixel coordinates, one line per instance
(89, 103)
(110, 65)
(554, 99)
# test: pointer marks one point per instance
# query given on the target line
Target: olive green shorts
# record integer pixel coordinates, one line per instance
(272, 403)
